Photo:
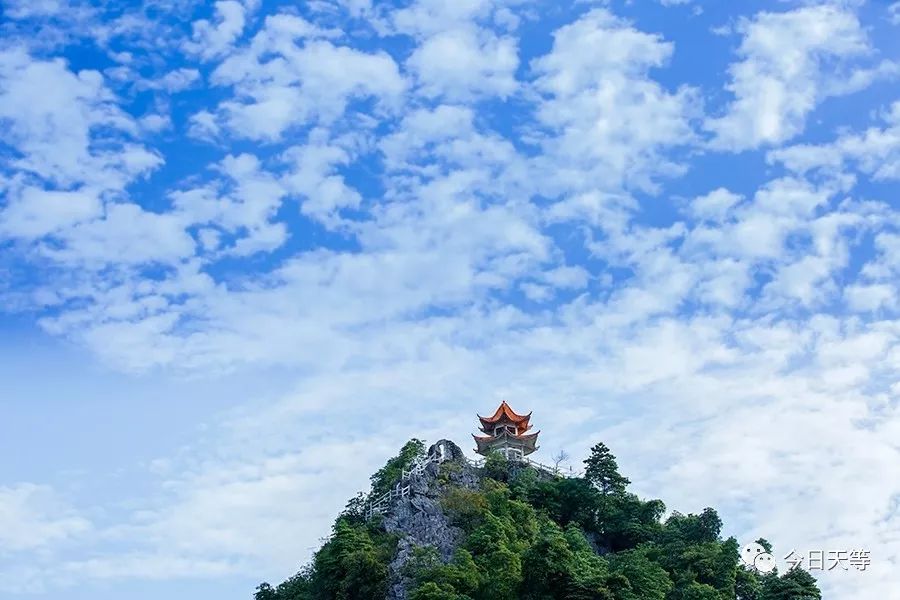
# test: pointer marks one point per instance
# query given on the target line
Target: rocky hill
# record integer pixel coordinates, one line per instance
(436, 526)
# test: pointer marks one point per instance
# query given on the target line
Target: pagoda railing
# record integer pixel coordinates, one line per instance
(479, 463)
(554, 470)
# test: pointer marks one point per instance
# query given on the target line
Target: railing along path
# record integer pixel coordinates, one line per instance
(383, 503)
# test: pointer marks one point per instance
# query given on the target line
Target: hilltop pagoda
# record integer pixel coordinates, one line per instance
(506, 433)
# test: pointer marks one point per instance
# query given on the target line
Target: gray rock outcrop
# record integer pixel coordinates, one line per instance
(420, 520)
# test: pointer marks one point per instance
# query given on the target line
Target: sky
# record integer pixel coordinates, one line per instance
(249, 248)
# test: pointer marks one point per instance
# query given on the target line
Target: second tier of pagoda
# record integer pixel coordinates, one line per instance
(506, 433)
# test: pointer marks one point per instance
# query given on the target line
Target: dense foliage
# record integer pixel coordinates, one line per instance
(533, 537)
(352, 564)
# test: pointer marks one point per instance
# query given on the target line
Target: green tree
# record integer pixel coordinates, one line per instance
(567, 501)
(433, 591)
(295, 588)
(496, 466)
(353, 564)
(547, 565)
(355, 509)
(696, 591)
(603, 471)
(501, 574)
(747, 585)
(699, 563)
(624, 521)
(796, 584)
(433, 579)
(265, 592)
(693, 529)
(465, 508)
(589, 571)
(639, 578)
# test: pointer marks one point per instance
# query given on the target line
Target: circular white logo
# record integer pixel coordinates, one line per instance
(749, 553)
(764, 562)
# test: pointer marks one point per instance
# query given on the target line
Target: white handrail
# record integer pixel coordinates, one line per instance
(403, 489)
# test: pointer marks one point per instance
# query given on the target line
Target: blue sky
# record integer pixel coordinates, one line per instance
(249, 248)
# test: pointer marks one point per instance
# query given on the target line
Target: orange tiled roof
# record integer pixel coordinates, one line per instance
(505, 412)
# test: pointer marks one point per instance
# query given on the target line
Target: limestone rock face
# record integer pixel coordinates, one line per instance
(419, 518)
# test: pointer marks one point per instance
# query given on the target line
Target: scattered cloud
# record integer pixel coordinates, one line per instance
(53, 134)
(875, 152)
(214, 38)
(279, 83)
(790, 62)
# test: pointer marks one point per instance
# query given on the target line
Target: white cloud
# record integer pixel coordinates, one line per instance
(567, 277)
(19, 9)
(126, 234)
(35, 212)
(886, 263)
(609, 120)
(54, 132)
(313, 177)
(758, 229)
(213, 39)
(428, 17)
(870, 297)
(458, 55)
(424, 131)
(33, 517)
(75, 161)
(149, 566)
(875, 152)
(155, 123)
(789, 63)
(793, 236)
(174, 81)
(894, 13)
(280, 84)
(440, 250)
(25, 9)
(714, 206)
(465, 62)
(246, 210)
(203, 126)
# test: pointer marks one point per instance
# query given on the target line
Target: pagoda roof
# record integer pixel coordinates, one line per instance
(504, 412)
